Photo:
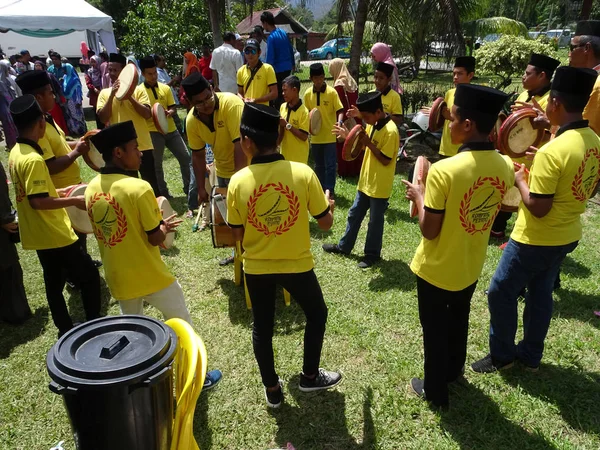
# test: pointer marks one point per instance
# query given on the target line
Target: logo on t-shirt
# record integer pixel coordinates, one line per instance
(108, 219)
(273, 209)
(587, 177)
(19, 190)
(481, 203)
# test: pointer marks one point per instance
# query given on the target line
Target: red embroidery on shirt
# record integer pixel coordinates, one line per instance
(587, 176)
(487, 194)
(108, 219)
(273, 209)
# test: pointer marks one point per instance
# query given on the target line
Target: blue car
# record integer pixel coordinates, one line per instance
(335, 48)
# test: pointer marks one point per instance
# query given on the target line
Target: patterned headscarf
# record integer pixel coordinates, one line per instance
(341, 75)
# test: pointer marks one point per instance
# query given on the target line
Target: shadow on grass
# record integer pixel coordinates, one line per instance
(393, 274)
(394, 215)
(202, 431)
(475, 422)
(319, 421)
(76, 304)
(316, 232)
(575, 305)
(574, 268)
(11, 336)
(574, 392)
(179, 204)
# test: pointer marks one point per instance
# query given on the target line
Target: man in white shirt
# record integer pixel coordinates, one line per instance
(259, 35)
(226, 60)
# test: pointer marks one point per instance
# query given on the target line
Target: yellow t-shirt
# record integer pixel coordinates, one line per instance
(447, 148)
(40, 229)
(329, 104)
(392, 103)
(567, 169)
(468, 189)
(55, 145)
(292, 148)
(162, 94)
(263, 79)
(269, 199)
(376, 180)
(592, 109)
(122, 111)
(123, 210)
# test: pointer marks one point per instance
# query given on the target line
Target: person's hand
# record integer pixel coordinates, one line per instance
(62, 192)
(414, 192)
(12, 227)
(171, 112)
(79, 202)
(353, 112)
(530, 153)
(97, 91)
(249, 100)
(519, 105)
(341, 131)
(426, 110)
(521, 175)
(82, 146)
(115, 88)
(330, 200)
(282, 122)
(363, 139)
(202, 194)
(171, 223)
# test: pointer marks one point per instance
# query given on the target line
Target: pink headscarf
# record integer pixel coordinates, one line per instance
(381, 53)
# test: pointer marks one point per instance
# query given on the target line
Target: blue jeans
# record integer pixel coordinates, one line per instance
(193, 189)
(536, 268)
(358, 211)
(325, 164)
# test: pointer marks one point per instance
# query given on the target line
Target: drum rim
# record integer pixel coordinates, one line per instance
(347, 147)
(68, 193)
(86, 157)
(435, 114)
(159, 199)
(426, 165)
(156, 120)
(134, 82)
(503, 133)
(213, 226)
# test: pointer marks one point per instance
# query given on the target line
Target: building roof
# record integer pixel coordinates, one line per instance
(283, 20)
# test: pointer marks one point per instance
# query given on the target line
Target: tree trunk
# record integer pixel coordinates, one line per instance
(214, 9)
(586, 9)
(362, 10)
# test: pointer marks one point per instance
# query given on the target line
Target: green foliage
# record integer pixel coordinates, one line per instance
(329, 20)
(169, 32)
(508, 56)
(302, 14)
(422, 94)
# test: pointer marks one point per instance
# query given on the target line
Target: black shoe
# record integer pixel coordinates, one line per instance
(490, 365)
(97, 263)
(333, 248)
(274, 398)
(367, 262)
(417, 387)
(226, 261)
(323, 380)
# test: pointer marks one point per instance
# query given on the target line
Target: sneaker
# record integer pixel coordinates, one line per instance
(275, 398)
(323, 380)
(497, 234)
(367, 262)
(213, 377)
(490, 365)
(333, 248)
(226, 261)
(417, 387)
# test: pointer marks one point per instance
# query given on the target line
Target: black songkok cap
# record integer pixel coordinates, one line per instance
(32, 80)
(193, 84)
(117, 58)
(261, 118)
(316, 70)
(588, 28)
(481, 99)
(574, 81)
(25, 110)
(369, 102)
(544, 62)
(147, 63)
(468, 62)
(113, 136)
(386, 68)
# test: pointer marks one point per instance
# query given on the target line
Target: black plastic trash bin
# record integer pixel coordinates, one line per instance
(115, 375)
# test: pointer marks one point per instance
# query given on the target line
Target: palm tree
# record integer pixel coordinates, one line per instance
(215, 9)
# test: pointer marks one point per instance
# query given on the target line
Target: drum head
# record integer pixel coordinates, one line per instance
(421, 170)
(128, 79)
(436, 120)
(93, 158)
(517, 134)
(511, 200)
(166, 210)
(159, 117)
(80, 221)
(351, 148)
(314, 121)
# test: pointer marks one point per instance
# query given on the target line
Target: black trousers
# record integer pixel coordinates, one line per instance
(500, 221)
(444, 318)
(280, 77)
(305, 289)
(71, 261)
(14, 307)
(148, 171)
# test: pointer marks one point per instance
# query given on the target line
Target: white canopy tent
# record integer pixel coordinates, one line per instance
(51, 18)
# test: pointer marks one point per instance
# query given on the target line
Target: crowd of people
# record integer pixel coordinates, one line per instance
(248, 125)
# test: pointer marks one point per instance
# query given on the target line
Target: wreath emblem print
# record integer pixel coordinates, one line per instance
(584, 183)
(108, 219)
(273, 209)
(481, 203)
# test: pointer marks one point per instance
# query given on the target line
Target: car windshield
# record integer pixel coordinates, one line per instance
(552, 34)
(329, 43)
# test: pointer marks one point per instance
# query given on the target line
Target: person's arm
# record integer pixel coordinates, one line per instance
(272, 95)
(141, 103)
(430, 221)
(57, 165)
(300, 134)
(89, 84)
(104, 106)
(159, 234)
(215, 79)
(239, 158)
(292, 56)
(382, 158)
(41, 202)
(270, 51)
(538, 204)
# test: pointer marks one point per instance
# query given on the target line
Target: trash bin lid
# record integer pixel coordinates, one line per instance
(111, 351)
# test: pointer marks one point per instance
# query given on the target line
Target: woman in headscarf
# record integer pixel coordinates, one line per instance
(191, 63)
(8, 92)
(93, 81)
(381, 52)
(71, 84)
(131, 60)
(59, 111)
(106, 83)
(347, 90)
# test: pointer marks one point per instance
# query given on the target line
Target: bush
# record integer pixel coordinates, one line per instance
(420, 95)
(508, 57)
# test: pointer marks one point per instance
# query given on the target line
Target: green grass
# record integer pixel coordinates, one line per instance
(373, 336)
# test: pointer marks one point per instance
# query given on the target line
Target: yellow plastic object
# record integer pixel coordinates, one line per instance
(190, 371)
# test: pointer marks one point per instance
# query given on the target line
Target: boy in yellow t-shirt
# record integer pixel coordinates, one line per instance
(456, 211)
(256, 80)
(381, 141)
(43, 223)
(266, 207)
(323, 145)
(293, 126)
(564, 175)
(135, 108)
